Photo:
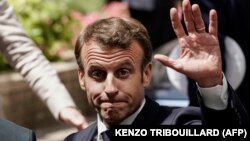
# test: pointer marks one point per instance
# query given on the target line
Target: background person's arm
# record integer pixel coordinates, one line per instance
(22, 53)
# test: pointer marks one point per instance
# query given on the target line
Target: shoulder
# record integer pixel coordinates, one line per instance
(184, 116)
(85, 134)
(10, 131)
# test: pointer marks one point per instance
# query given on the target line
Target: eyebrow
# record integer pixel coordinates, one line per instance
(95, 65)
(126, 62)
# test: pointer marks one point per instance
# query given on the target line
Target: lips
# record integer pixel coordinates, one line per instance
(113, 104)
(106, 105)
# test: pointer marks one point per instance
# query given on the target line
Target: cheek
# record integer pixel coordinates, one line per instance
(134, 83)
(93, 91)
(133, 87)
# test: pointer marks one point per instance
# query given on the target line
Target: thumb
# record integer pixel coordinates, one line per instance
(166, 61)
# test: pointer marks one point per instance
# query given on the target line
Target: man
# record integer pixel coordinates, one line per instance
(11, 132)
(114, 58)
(26, 57)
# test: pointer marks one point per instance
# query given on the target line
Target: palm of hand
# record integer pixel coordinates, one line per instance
(199, 56)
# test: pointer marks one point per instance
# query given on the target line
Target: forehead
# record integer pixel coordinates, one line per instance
(93, 53)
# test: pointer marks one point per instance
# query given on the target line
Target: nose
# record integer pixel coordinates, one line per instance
(110, 86)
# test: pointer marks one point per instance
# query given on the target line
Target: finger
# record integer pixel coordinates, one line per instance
(73, 117)
(213, 25)
(84, 125)
(79, 121)
(176, 23)
(188, 16)
(198, 21)
(166, 61)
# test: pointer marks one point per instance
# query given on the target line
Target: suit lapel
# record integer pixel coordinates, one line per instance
(151, 114)
(87, 134)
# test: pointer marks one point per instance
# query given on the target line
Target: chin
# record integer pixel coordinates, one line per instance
(112, 117)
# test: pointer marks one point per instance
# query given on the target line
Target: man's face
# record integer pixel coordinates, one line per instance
(113, 80)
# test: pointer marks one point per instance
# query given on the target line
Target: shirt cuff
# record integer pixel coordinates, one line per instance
(215, 97)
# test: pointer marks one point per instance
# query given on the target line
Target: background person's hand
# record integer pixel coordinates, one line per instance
(72, 117)
(200, 57)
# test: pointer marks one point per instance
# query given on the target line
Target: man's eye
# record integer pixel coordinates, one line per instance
(123, 73)
(98, 75)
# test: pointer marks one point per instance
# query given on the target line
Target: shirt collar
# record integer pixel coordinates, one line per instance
(101, 127)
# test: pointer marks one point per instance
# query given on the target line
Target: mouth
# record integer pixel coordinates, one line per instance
(111, 104)
(106, 105)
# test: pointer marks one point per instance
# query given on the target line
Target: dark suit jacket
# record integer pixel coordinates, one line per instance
(154, 114)
(10, 131)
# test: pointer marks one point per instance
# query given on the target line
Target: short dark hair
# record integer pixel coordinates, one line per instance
(115, 32)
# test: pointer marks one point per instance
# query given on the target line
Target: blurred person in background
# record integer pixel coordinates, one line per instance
(153, 14)
(10, 131)
(22, 53)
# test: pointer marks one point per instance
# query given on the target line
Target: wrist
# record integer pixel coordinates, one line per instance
(211, 81)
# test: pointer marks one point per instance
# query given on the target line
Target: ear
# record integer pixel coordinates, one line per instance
(147, 74)
(81, 79)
